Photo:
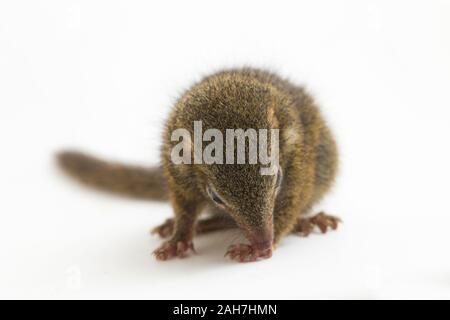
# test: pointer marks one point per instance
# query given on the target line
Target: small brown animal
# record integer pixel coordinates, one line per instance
(264, 207)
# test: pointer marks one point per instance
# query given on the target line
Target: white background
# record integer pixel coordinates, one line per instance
(102, 75)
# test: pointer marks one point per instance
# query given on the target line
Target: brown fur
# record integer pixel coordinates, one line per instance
(132, 181)
(241, 98)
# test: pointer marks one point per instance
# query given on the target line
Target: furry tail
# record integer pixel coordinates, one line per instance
(132, 181)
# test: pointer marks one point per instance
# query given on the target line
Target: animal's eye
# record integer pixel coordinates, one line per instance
(279, 178)
(215, 197)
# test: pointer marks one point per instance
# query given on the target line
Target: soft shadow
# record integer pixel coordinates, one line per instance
(134, 256)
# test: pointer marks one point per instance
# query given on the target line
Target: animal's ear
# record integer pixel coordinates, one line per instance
(271, 117)
(291, 137)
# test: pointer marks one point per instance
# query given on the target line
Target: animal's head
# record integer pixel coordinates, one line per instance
(246, 195)
(245, 187)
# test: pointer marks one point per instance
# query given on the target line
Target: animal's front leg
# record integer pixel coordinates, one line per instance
(186, 212)
(295, 197)
(180, 243)
(285, 217)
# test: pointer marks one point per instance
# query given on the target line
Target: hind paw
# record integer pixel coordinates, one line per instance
(164, 230)
(323, 221)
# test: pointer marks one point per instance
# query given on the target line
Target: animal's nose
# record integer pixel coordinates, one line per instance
(262, 239)
(262, 245)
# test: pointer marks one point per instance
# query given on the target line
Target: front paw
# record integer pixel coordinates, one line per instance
(171, 249)
(248, 253)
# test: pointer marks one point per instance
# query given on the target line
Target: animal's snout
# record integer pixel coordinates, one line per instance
(262, 239)
(263, 245)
